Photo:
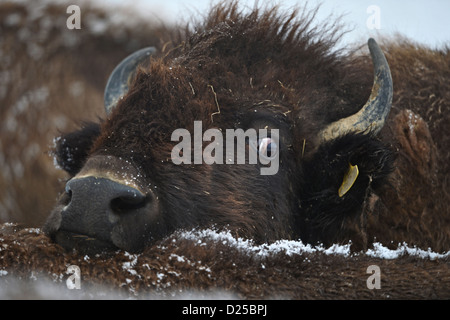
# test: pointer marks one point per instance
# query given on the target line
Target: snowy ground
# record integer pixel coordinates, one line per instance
(56, 286)
(290, 247)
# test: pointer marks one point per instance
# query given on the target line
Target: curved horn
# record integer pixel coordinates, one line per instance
(374, 113)
(119, 80)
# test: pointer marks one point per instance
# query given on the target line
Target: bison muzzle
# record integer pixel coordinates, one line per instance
(106, 210)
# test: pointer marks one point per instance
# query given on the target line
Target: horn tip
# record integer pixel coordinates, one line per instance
(117, 84)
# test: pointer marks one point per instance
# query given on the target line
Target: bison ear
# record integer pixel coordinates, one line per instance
(71, 149)
(338, 178)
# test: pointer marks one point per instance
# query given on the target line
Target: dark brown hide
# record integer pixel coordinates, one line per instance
(205, 268)
(416, 204)
(413, 207)
(257, 70)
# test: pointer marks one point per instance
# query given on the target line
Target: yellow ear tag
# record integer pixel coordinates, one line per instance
(349, 179)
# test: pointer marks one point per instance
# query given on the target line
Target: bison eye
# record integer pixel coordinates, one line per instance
(267, 148)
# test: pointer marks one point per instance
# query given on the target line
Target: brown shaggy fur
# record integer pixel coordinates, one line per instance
(183, 268)
(239, 61)
(413, 208)
(416, 206)
(51, 79)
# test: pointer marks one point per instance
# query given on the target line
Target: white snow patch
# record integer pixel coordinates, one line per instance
(179, 258)
(128, 266)
(160, 276)
(33, 230)
(288, 247)
(10, 224)
(291, 247)
(380, 251)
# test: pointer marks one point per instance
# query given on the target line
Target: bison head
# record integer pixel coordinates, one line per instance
(256, 71)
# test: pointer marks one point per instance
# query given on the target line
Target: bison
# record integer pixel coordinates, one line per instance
(356, 160)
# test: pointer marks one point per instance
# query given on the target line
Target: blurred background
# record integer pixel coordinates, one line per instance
(52, 77)
(426, 21)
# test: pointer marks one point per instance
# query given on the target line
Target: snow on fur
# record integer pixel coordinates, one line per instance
(290, 247)
(215, 264)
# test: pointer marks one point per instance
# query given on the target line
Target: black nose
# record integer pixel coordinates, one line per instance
(95, 205)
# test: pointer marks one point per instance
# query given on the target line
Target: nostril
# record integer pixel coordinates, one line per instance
(94, 194)
(128, 203)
